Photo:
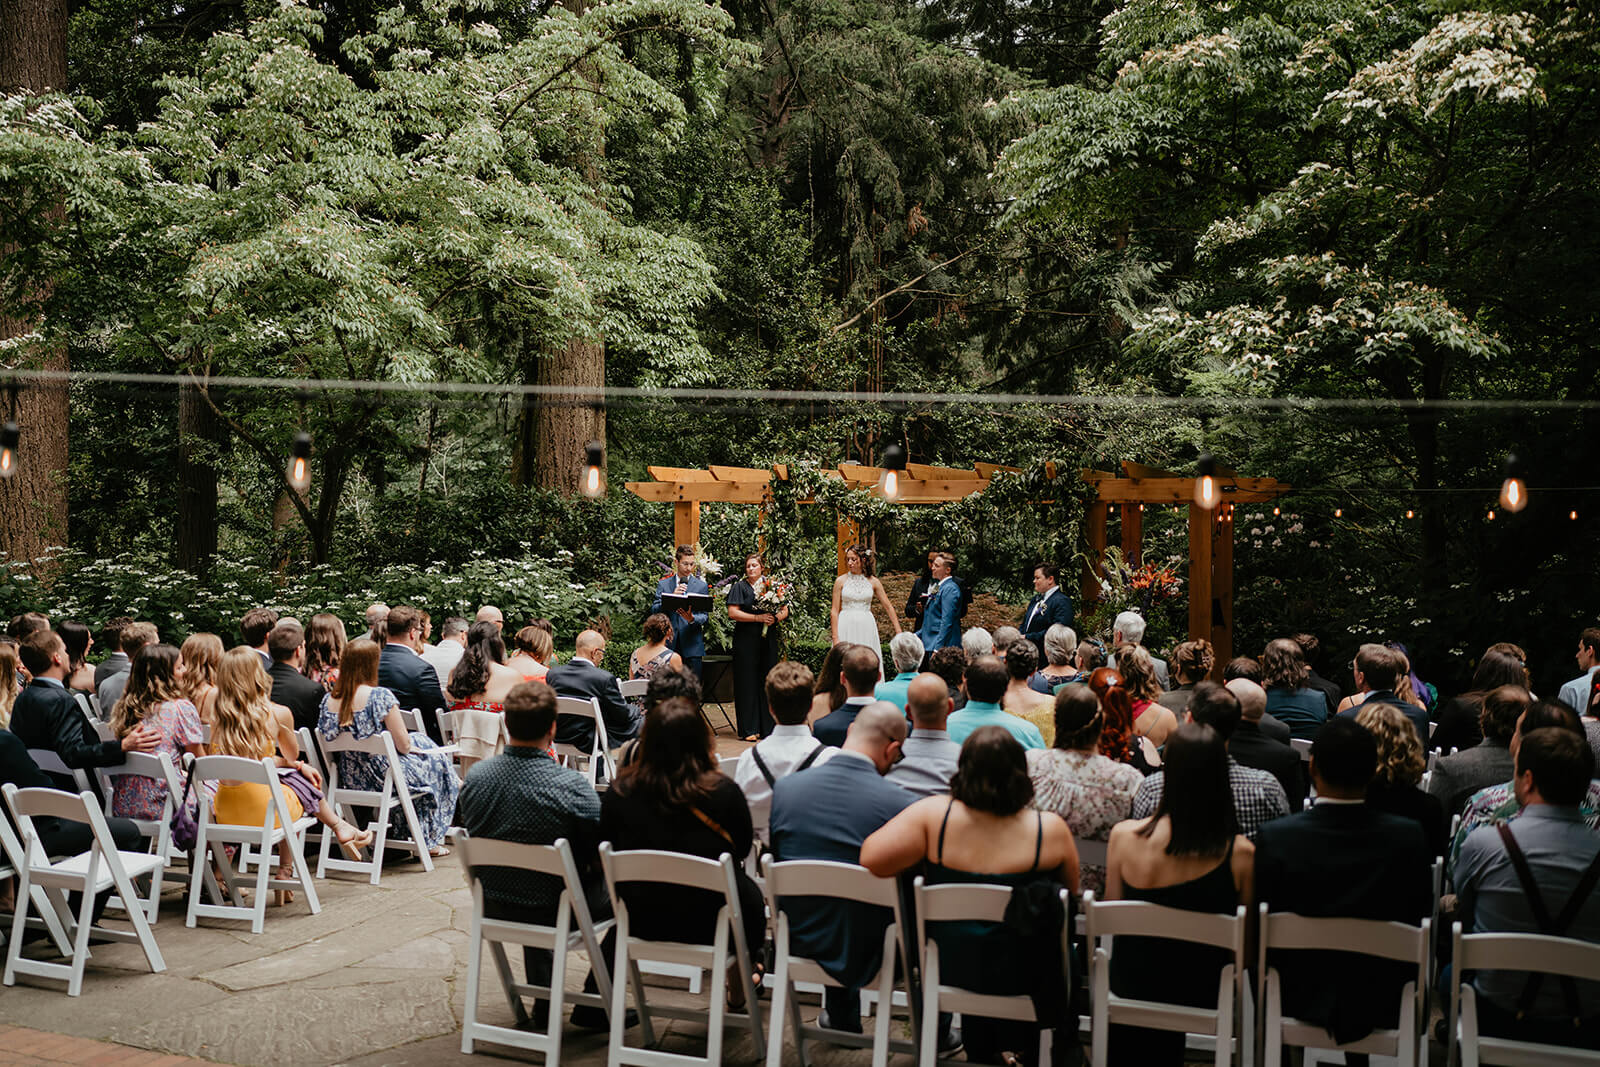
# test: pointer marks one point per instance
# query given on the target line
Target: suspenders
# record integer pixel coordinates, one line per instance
(1558, 928)
(766, 772)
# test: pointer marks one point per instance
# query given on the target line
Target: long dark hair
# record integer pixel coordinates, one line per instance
(992, 773)
(830, 678)
(1197, 797)
(674, 765)
(75, 635)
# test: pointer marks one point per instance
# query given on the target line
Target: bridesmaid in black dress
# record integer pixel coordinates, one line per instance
(754, 654)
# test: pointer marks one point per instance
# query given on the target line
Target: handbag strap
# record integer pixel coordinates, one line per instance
(715, 826)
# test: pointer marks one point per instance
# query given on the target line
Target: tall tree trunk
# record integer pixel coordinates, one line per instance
(561, 427)
(198, 435)
(33, 504)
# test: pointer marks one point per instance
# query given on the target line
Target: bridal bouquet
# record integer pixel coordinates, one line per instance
(772, 593)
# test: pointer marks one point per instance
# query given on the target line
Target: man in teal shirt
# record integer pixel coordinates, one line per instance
(906, 650)
(986, 683)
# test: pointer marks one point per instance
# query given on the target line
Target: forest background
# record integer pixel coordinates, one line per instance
(1383, 214)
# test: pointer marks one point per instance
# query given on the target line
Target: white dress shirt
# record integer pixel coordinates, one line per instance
(782, 751)
(443, 658)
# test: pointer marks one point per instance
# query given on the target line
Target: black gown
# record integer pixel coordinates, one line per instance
(753, 656)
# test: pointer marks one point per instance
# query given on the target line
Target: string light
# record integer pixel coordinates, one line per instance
(9, 436)
(1410, 514)
(1338, 513)
(1276, 512)
(1205, 486)
(1491, 514)
(1573, 515)
(299, 473)
(894, 464)
(1514, 490)
(592, 483)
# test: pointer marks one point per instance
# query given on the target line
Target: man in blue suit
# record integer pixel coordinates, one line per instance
(688, 628)
(1048, 607)
(824, 813)
(941, 623)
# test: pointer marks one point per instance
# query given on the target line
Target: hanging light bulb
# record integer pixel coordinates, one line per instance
(1338, 513)
(1277, 511)
(1573, 515)
(9, 436)
(1205, 485)
(1410, 514)
(1491, 514)
(592, 482)
(300, 462)
(894, 466)
(1514, 490)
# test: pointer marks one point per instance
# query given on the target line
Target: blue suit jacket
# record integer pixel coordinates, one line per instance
(824, 813)
(1058, 609)
(941, 623)
(688, 639)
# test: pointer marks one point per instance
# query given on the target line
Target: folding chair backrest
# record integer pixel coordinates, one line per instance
(38, 803)
(836, 881)
(1113, 917)
(411, 720)
(1303, 747)
(1528, 952)
(310, 752)
(487, 852)
(447, 725)
(378, 744)
(49, 761)
(239, 769)
(1368, 937)
(634, 688)
(675, 868)
(581, 707)
(104, 730)
(141, 765)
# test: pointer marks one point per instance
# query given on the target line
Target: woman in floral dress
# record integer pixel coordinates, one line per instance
(153, 696)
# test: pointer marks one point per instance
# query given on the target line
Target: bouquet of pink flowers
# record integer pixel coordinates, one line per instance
(772, 593)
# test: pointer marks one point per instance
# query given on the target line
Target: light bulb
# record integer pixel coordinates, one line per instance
(1205, 484)
(9, 437)
(1573, 515)
(299, 473)
(894, 465)
(891, 485)
(1338, 513)
(1513, 494)
(592, 482)
(1410, 514)
(1491, 514)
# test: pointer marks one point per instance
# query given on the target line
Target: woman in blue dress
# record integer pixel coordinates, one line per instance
(359, 705)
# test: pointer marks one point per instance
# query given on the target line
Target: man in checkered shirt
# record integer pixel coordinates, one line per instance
(1258, 797)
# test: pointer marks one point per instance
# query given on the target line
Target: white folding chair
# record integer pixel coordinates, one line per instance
(49, 762)
(574, 928)
(1112, 918)
(844, 882)
(275, 826)
(1378, 940)
(600, 750)
(412, 720)
(675, 868)
(345, 799)
(1301, 746)
(633, 688)
(447, 725)
(157, 831)
(88, 874)
(51, 909)
(1512, 952)
(1089, 852)
(967, 903)
(312, 755)
(104, 730)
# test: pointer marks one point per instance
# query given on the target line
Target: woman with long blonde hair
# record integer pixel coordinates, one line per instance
(154, 697)
(199, 656)
(8, 681)
(250, 725)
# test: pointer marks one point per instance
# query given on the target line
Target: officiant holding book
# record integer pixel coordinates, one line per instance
(684, 597)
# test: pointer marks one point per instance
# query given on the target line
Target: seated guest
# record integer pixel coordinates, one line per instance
(359, 705)
(1258, 798)
(1377, 671)
(1072, 779)
(325, 640)
(481, 678)
(656, 652)
(377, 619)
(201, 655)
(1021, 699)
(1186, 854)
(1251, 747)
(524, 795)
(859, 670)
(986, 831)
(673, 798)
(1242, 667)
(10, 680)
(534, 647)
(1091, 655)
(1343, 859)
(152, 698)
(254, 628)
(29, 622)
(977, 642)
(1004, 638)
(1459, 775)
(1289, 699)
(1311, 652)
(951, 665)
(1139, 678)
(1060, 646)
(583, 677)
(286, 644)
(1547, 855)
(824, 814)
(1118, 742)
(1496, 804)
(986, 681)
(80, 675)
(789, 748)
(905, 649)
(116, 661)
(1400, 765)
(405, 674)
(1128, 629)
(1460, 717)
(1191, 664)
(135, 636)
(928, 758)
(828, 694)
(46, 716)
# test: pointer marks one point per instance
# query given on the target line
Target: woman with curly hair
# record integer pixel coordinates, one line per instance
(9, 665)
(1139, 676)
(1289, 699)
(154, 695)
(1117, 739)
(200, 655)
(1400, 766)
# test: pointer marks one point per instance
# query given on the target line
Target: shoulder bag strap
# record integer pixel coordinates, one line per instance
(712, 824)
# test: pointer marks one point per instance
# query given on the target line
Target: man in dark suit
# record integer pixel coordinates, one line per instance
(688, 627)
(824, 813)
(254, 628)
(1250, 747)
(1050, 606)
(1377, 671)
(583, 677)
(116, 662)
(1342, 859)
(303, 697)
(46, 716)
(402, 671)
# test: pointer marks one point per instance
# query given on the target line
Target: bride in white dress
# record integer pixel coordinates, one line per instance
(853, 593)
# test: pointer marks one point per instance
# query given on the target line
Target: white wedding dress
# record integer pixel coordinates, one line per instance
(856, 622)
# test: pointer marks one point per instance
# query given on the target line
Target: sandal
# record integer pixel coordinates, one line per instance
(280, 897)
(439, 853)
(353, 845)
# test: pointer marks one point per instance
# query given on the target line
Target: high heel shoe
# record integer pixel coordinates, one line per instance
(280, 897)
(357, 841)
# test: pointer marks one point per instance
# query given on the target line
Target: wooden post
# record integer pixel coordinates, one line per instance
(686, 522)
(1222, 593)
(1201, 537)
(1094, 528)
(1133, 536)
(846, 533)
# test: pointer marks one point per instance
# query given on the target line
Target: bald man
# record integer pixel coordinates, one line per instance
(824, 813)
(1251, 747)
(490, 613)
(930, 757)
(583, 677)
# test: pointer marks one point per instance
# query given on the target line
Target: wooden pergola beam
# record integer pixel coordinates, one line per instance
(926, 472)
(740, 474)
(1181, 490)
(680, 474)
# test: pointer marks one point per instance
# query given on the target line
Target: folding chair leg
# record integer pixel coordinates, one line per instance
(928, 1045)
(80, 945)
(885, 1007)
(558, 985)
(647, 1029)
(780, 1003)
(502, 966)
(141, 926)
(719, 995)
(619, 1001)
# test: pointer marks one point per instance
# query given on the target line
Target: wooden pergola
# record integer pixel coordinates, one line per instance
(1210, 538)
(687, 488)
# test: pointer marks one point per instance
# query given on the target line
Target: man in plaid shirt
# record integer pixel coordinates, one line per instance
(1258, 797)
